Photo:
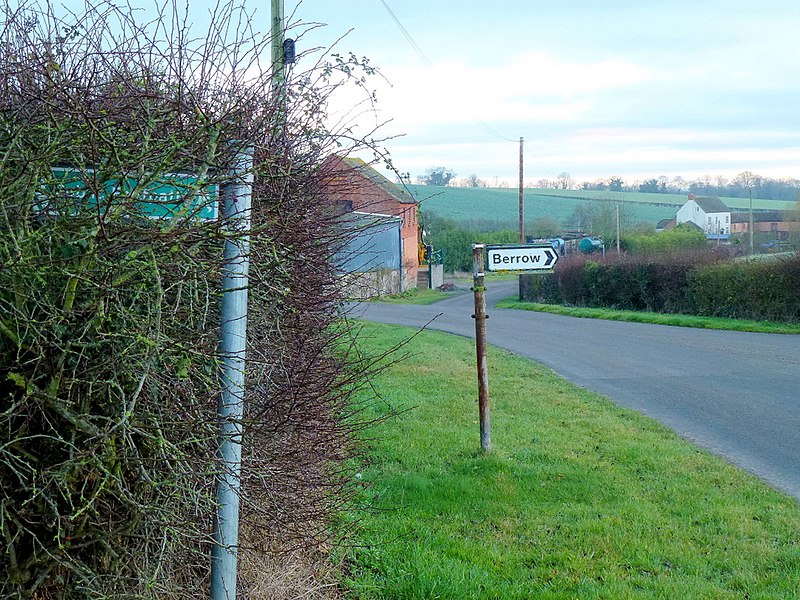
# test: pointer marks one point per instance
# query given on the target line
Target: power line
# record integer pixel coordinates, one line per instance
(407, 35)
(494, 131)
(429, 64)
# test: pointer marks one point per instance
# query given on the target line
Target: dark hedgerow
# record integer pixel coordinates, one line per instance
(109, 317)
(750, 290)
(701, 283)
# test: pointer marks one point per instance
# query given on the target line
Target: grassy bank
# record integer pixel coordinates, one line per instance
(580, 499)
(415, 296)
(656, 318)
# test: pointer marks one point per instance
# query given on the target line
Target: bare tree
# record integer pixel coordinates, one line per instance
(678, 184)
(473, 181)
(565, 181)
(747, 180)
(440, 176)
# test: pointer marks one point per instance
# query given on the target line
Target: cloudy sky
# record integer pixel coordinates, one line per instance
(596, 88)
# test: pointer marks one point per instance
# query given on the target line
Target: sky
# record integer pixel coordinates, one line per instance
(596, 88)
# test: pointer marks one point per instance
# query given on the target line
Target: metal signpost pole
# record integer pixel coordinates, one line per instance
(480, 316)
(236, 199)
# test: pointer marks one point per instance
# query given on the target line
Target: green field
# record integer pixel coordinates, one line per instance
(496, 208)
(674, 200)
(580, 499)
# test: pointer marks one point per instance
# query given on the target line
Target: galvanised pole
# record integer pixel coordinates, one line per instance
(236, 200)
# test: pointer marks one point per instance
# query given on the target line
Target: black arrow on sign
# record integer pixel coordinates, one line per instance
(551, 257)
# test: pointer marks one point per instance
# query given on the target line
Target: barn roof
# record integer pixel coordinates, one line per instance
(382, 182)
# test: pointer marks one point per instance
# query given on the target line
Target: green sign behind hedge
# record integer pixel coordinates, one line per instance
(173, 195)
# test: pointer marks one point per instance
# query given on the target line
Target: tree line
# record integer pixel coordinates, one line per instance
(740, 186)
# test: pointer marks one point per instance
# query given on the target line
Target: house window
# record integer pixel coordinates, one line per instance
(774, 227)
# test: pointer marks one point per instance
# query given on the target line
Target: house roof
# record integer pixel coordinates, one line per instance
(691, 225)
(764, 216)
(665, 224)
(382, 182)
(712, 204)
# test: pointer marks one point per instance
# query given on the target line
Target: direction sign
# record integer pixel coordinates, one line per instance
(169, 196)
(524, 257)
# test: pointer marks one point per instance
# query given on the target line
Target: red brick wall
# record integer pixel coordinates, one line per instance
(346, 186)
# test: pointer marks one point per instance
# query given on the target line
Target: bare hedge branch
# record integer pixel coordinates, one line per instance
(109, 316)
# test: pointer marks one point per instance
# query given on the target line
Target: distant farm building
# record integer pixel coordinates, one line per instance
(779, 223)
(665, 224)
(384, 224)
(371, 258)
(710, 214)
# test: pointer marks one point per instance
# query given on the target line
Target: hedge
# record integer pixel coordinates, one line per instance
(700, 283)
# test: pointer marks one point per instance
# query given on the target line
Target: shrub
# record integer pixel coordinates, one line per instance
(748, 290)
(679, 239)
(457, 244)
(109, 320)
(702, 283)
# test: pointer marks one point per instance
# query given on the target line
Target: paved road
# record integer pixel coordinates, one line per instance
(737, 394)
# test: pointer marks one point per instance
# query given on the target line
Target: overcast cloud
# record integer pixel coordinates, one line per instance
(637, 89)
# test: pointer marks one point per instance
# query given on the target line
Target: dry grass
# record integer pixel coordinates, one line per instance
(265, 574)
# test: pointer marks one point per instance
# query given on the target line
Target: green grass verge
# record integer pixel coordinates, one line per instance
(580, 499)
(656, 318)
(415, 296)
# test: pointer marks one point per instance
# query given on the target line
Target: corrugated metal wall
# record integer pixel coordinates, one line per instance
(375, 244)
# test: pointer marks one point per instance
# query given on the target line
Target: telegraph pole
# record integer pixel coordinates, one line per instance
(521, 196)
(750, 227)
(278, 63)
(521, 211)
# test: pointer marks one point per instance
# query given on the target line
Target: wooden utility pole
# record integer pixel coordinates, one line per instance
(480, 316)
(521, 195)
(521, 210)
(619, 252)
(277, 43)
(751, 224)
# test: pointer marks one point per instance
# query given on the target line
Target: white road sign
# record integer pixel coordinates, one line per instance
(521, 258)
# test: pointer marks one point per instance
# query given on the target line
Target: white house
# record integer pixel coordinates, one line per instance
(710, 214)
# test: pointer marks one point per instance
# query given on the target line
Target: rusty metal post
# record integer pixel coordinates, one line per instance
(480, 316)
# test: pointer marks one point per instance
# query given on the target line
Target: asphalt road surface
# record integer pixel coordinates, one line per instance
(736, 394)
